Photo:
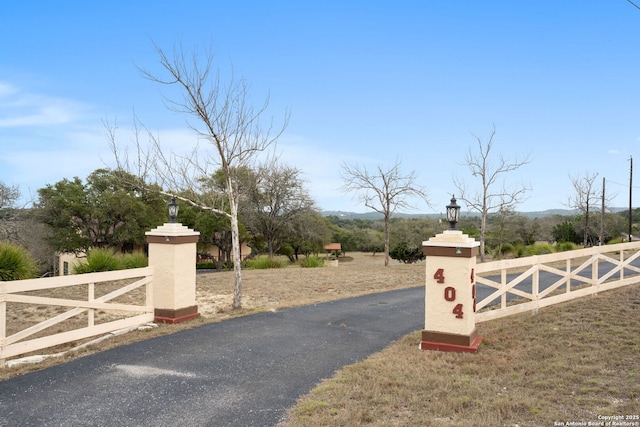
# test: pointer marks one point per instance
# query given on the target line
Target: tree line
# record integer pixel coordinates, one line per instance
(277, 217)
(506, 235)
(232, 188)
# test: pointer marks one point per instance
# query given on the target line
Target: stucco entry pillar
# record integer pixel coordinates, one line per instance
(172, 254)
(450, 300)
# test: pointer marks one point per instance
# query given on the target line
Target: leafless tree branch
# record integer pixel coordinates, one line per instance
(384, 191)
(486, 198)
(228, 129)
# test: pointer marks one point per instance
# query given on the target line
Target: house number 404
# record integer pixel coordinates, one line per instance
(450, 292)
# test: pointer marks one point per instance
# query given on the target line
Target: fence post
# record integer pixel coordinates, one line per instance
(450, 293)
(172, 254)
(3, 327)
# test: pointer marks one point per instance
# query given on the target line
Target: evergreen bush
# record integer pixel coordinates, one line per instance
(406, 254)
(205, 265)
(16, 263)
(133, 260)
(539, 249)
(287, 250)
(311, 262)
(565, 246)
(264, 262)
(507, 248)
(98, 259)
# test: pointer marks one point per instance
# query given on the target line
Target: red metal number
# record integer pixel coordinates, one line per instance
(473, 295)
(450, 293)
(457, 310)
(439, 276)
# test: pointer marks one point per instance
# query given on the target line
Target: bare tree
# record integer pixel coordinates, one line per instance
(384, 191)
(493, 195)
(231, 137)
(585, 198)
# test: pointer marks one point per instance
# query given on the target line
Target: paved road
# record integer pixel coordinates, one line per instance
(241, 372)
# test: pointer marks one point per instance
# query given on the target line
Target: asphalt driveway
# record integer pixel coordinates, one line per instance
(245, 371)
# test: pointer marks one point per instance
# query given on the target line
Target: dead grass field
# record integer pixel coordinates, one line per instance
(272, 289)
(571, 362)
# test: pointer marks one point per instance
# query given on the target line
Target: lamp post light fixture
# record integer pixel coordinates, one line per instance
(173, 210)
(453, 213)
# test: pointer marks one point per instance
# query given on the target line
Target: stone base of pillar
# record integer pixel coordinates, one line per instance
(440, 341)
(165, 315)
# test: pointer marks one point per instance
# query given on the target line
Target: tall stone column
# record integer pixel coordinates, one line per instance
(172, 254)
(450, 293)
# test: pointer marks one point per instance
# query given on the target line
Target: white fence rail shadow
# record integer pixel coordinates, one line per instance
(81, 306)
(527, 284)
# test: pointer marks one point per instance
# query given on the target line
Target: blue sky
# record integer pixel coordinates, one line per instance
(366, 82)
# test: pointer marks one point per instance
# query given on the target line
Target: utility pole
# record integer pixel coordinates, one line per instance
(630, 188)
(602, 215)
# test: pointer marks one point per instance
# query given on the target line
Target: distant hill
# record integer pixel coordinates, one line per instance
(376, 215)
(563, 212)
(549, 212)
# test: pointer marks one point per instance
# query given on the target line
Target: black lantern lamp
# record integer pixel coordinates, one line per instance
(453, 213)
(173, 210)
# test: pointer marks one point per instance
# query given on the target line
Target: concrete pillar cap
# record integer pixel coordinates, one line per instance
(172, 229)
(452, 238)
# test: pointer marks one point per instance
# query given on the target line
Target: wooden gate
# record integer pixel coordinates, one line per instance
(517, 285)
(41, 313)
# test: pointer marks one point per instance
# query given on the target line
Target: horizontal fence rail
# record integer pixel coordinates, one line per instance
(100, 303)
(527, 284)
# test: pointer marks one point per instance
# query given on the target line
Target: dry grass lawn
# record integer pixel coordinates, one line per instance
(273, 289)
(570, 363)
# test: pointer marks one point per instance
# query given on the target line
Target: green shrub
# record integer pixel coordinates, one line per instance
(616, 241)
(287, 250)
(205, 265)
(211, 265)
(565, 246)
(133, 260)
(507, 248)
(16, 263)
(264, 262)
(539, 249)
(311, 262)
(407, 254)
(98, 259)
(565, 232)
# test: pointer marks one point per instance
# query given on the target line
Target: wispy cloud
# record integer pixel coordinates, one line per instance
(6, 89)
(321, 170)
(22, 109)
(45, 138)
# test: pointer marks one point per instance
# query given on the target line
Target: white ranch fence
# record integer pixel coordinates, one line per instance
(527, 284)
(79, 306)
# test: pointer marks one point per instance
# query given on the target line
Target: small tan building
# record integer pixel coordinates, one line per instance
(66, 262)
